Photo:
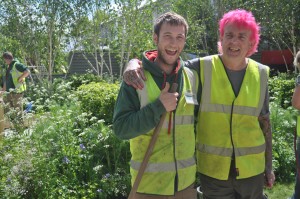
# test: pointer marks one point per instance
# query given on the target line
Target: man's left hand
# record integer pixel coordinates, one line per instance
(269, 179)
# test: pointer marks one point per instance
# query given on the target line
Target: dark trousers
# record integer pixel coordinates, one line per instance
(188, 193)
(249, 188)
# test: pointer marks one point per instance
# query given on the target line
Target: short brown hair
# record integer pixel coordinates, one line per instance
(172, 19)
(8, 55)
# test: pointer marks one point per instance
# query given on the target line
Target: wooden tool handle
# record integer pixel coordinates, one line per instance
(149, 150)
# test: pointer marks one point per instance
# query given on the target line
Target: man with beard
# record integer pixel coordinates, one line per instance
(170, 172)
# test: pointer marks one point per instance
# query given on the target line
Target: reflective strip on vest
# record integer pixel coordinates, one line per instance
(192, 78)
(164, 167)
(227, 152)
(181, 120)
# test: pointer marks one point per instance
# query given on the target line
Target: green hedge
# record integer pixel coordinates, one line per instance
(99, 99)
(281, 89)
(283, 120)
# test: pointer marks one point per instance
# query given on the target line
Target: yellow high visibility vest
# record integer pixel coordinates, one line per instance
(19, 87)
(228, 124)
(172, 154)
(298, 125)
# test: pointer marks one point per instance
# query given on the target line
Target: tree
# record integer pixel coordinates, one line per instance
(58, 17)
(203, 27)
(41, 27)
(121, 27)
(91, 35)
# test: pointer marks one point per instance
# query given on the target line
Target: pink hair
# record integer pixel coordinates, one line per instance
(242, 19)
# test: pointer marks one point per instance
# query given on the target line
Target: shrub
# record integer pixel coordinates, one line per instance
(99, 99)
(68, 154)
(281, 89)
(78, 80)
(44, 94)
(283, 127)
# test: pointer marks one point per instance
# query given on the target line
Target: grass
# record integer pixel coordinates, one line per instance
(280, 191)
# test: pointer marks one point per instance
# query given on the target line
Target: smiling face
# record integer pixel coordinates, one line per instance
(235, 44)
(170, 43)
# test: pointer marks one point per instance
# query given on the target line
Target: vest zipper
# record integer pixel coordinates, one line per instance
(233, 160)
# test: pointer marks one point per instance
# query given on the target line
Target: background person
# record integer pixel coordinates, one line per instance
(14, 84)
(296, 104)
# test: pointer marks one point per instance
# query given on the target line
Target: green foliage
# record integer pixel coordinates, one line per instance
(203, 25)
(45, 94)
(283, 120)
(8, 44)
(40, 32)
(280, 191)
(281, 89)
(283, 127)
(78, 80)
(99, 99)
(67, 154)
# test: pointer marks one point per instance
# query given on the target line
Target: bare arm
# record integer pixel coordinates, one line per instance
(265, 125)
(134, 74)
(23, 76)
(296, 98)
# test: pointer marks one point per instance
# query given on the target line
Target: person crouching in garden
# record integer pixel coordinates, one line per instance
(14, 86)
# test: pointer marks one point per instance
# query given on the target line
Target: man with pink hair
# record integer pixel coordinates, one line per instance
(234, 138)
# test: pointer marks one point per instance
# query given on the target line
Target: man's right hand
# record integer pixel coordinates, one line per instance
(169, 100)
(134, 74)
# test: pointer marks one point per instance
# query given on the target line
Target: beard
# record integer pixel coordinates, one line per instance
(163, 60)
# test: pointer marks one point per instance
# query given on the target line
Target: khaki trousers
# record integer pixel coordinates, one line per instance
(14, 101)
(188, 193)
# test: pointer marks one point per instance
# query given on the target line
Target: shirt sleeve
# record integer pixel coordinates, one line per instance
(20, 67)
(193, 64)
(129, 119)
(265, 109)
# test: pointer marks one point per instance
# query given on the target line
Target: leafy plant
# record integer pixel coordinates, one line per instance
(283, 127)
(98, 99)
(78, 80)
(281, 89)
(45, 94)
(67, 153)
